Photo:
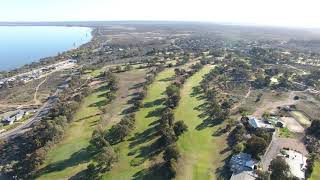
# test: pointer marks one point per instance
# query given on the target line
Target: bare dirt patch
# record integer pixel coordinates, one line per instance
(293, 125)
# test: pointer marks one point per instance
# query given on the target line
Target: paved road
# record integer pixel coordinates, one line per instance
(24, 127)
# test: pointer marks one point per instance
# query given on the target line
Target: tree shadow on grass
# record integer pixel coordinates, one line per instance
(102, 88)
(156, 172)
(209, 123)
(146, 136)
(196, 91)
(155, 113)
(87, 117)
(137, 86)
(150, 150)
(156, 102)
(224, 171)
(167, 79)
(99, 103)
(79, 157)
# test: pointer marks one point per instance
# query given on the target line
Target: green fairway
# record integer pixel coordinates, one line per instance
(69, 157)
(139, 152)
(200, 150)
(316, 171)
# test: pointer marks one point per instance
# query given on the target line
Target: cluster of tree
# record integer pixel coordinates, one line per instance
(313, 79)
(236, 138)
(217, 110)
(313, 145)
(280, 170)
(261, 81)
(170, 131)
(101, 146)
(104, 155)
(118, 132)
(184, 60)
(173, 95)
(112, 85)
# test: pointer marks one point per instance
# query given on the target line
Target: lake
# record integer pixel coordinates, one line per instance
(20, 45)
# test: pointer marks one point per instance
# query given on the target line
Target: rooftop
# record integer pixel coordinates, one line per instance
(242, 162)
(256, 123)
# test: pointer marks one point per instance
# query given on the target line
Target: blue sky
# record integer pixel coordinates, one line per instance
(293, 13)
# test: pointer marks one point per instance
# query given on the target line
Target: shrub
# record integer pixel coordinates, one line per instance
(179, 128)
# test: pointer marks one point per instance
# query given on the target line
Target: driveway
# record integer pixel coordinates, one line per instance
(279, 143)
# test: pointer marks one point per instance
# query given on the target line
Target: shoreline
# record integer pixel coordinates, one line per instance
(48, 60)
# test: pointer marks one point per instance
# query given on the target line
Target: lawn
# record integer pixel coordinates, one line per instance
(202, 153)
(316, 171)
(69, 157)
(139, 151)
(285, 132)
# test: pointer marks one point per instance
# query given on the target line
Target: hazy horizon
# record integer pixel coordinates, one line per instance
(285, 13)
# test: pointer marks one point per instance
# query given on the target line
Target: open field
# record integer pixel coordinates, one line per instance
(69, 156)
(138, 152)
(268, 101)
(202, 154)
(316, 171)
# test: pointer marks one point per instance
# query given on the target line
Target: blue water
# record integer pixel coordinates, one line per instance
(21, 45)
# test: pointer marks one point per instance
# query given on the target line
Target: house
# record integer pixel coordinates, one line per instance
(14, 117)
(264, 124)
(242, 166)
(297, 163)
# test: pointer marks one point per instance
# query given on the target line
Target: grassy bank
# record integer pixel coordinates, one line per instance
(138, 152)
(201, 151)
(316, 171)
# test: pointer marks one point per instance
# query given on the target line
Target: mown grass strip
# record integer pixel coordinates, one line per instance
(202, 153)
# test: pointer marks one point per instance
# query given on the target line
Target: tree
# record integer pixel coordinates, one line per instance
(97, 141)
(167, 117)
(171, 152)
(168, 137)
(91, 172)
(314, 129)
(280, 169)
(106, 158)
(179, 128)
(117, 133)
(238, 148)
(256, 146)
(173, 93)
